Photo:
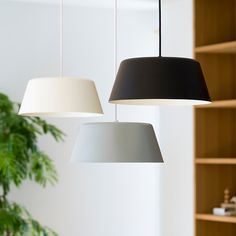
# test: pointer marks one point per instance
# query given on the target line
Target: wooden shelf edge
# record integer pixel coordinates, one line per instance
(220, 104)
(210, 217)
(216, 161)
(225, 47)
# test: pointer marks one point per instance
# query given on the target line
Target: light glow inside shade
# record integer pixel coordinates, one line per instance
(166, 102)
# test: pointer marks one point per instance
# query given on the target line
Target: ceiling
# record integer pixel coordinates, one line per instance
(129, 4)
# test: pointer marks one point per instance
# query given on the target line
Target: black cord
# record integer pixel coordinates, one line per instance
(159, 28)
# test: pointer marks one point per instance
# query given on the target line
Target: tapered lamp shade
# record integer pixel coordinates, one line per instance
(116, 142)
(160, 80)
(61, 97)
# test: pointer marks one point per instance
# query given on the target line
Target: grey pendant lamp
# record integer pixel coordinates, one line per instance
(61, 96)
(160, 80)
(116, 142)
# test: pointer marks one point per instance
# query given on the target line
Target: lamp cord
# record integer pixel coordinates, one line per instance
(61, 37)
(159, 28)
(115, 51)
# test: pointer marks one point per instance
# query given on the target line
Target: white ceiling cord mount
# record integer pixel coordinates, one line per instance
(61, 96)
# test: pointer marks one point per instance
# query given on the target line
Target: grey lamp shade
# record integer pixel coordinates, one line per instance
(116, 142)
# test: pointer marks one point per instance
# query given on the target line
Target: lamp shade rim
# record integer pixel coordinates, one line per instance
(64, 114)
(186, 59)
(160, 102)
(118, 123)
(62, 77)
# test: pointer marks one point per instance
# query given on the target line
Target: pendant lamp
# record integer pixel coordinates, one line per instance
(117, 142)
(112, 142)
(160, 80)
(61, 96)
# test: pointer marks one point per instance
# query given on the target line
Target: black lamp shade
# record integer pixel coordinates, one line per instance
(160, 80)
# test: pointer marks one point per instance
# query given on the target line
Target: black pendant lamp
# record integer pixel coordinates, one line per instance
(160, 80)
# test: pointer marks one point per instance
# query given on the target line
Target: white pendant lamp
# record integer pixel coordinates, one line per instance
(116, 142)
(61, 96)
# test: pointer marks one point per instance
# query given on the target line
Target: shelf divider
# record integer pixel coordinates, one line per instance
(225, 47)
(211, 217)
(231, 103)
(216, 161)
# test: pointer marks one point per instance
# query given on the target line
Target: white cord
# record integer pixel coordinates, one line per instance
(115, 50)
(61, 38)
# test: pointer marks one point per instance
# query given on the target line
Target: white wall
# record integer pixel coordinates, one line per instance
(104, 200)
(176, 130)
(89, 200)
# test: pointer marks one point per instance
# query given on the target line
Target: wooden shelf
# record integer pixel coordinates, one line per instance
(216, 161)
(226, 47)
(220, 104)
(210, 217)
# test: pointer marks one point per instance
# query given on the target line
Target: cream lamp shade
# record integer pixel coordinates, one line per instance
(116, 142)
(61, 97)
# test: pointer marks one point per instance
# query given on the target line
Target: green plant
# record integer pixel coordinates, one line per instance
(21, 159)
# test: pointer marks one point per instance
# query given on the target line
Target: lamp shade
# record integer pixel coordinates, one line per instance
(160, 80)
(116, 142)
(61, 97)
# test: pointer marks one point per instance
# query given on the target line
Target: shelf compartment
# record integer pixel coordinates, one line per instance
(211, 217)
(215, 135)
(214, 22)
(226, 47)
(211, 181)
(219, 72)
(209, 225)
(216, 161)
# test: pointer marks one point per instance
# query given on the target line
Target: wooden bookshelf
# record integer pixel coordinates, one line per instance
(215, 124)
